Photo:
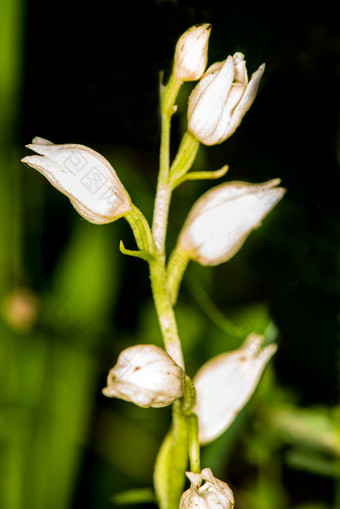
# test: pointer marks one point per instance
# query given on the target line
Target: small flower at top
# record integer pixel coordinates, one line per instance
(84, 176)
(220, 100)
(212, 493)
(191, 54)
(147, 376)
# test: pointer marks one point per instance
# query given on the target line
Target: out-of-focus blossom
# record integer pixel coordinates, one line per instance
(20, 309)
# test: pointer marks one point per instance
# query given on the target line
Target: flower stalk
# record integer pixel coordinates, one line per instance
(194, 444)
(172, 461)
(165, 312)
(169, 94)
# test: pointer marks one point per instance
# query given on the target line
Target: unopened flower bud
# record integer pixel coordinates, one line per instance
(83, 175)
(221, 98)
(191, 53)
(147, 376)
(212, 493)
(225, 383)
(220, 221)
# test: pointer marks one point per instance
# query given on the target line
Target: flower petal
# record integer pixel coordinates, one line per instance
(225, 383)
(246, 101)
(207, 101)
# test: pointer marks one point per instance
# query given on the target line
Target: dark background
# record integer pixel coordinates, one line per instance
(91, 77)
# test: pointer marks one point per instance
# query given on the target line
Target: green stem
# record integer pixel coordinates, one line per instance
(180, 446)
(158, 277)
(165, 312)
(188, 404)
(163, 193)
(173, 456)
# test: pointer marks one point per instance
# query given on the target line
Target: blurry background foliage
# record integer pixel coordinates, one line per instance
(88, 73)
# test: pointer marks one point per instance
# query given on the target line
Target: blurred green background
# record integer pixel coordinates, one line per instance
(70, 302)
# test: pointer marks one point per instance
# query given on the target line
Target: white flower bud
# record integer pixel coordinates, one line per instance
(220, 221)
(191, 54)
(221, 98)
(225, 383)
(147, 376)
(213, 493)
(83, 175)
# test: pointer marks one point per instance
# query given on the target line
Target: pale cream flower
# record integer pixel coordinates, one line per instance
(84, 176)
(191, 54)
(221, 219)
(213, 493)
(147, 376)
(221, 98)
(225, 383)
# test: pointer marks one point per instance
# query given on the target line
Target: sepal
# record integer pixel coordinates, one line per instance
(201, 175)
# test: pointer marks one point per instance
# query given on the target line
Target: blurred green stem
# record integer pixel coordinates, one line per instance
(13, 435)
(10, 62)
